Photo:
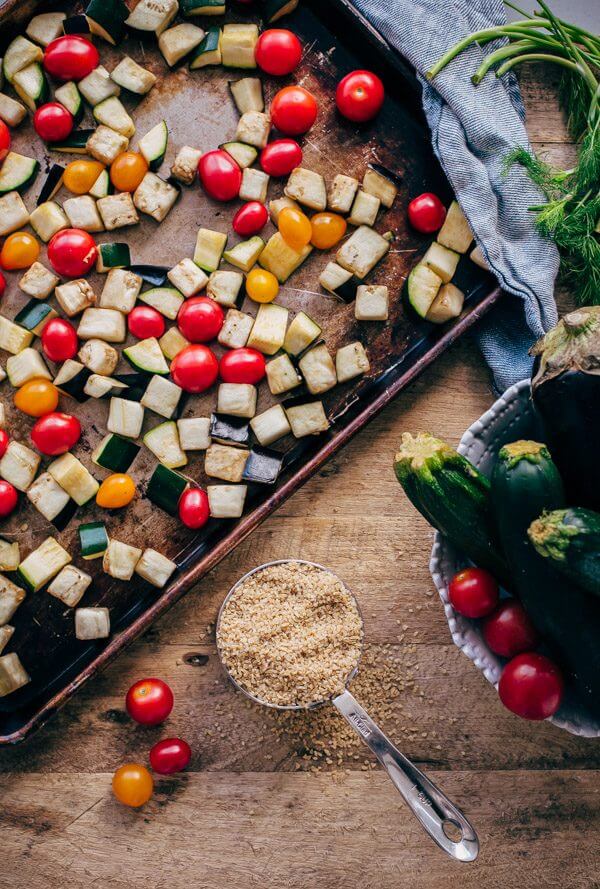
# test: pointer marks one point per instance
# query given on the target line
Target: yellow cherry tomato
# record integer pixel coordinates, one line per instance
(262, 286)
(79, 176)
(36, 398)
(115, 491)
(19, 251)
(294, 227)
(127, 170)
(132, 784)
(327, 230)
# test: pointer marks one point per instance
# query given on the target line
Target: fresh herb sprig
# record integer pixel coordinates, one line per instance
(571, 216)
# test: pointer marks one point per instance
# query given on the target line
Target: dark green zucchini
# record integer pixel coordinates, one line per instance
(453, 496)
(165, 488)
(525, 482)
(570, 540)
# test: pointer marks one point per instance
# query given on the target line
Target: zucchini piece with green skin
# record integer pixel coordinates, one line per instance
(31, 86)
(423, 286)
(209, 249)
(209, 50)
(166, 300)
(93, 540)
(165, 488)
(19, 54)
(113, 256)
(525, 482)
(102, 187)
(146, 355)
(163, 441)
(43, 564)
(244, 254)
(76, 143)
(34, 315)
(244, 155)
(153, 146)
(115, 453)
(107, 19)
(569, 539)
(453, 496)
(18, 172)
(202, 7)
(69, 96)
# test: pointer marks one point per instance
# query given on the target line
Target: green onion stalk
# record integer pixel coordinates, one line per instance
(571, 215)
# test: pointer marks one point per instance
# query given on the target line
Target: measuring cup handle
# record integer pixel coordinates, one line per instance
(433, 809)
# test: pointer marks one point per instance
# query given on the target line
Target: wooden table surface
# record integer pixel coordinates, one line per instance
(254, 809)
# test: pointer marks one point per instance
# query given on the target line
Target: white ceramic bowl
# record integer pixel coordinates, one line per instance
(509, 419)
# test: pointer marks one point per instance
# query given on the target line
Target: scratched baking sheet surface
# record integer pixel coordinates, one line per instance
(199, 112)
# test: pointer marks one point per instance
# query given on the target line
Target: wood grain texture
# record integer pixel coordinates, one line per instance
(244, 815)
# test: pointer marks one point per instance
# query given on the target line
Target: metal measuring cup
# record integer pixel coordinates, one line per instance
(438, 815)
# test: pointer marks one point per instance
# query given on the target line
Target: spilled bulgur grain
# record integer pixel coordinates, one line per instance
(291, 634)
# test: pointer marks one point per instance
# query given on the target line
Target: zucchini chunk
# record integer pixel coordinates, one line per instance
(11, 112)
(48, 219)
(111, 112)
(115, 453)
(69, 96)
(117, 211)
(146, 355)
(254, 186)
(71, 379)
(98, 386)
(102, 324)
(120, 290)
(238, 44)
(379, 185)
(11, 597)
(83, 213)
(172, 342)
(52, 184)
(153, 146)
(75, 296)
(153, 15)
(351, 361)
(19, 54)
(300, 334)
(209, 50)
(165, 488)
(163, 441)
(237, 399)
(224, 287)
(98, 86)
(43, 564)
(185, 165)
(362, 251)
(13, 674)
(229, 430)
(243, 155)
(31, 86)
(318, 369)
(155, 197)
(281, 259)
(245, 254)
(46, 27)
(226, 501)
(282, 376)
(423, 286)
(456, 232)
(155, 568)
(125, 418)
(263, 466)
(202, 7)
(279, 204)
(47, 496)
(307, 419)
(13, 337)
(92, 623)
(236, 329)
(194, 433)
(247, 94)
(364, 209)
(162, 396)
(17, 173)
(209, 249)
(268, 331)
(27, 365)
(106, 19)
(120, 559)
(342, 192)
(165, 300)
(13, 213)
(19, 465)
(253, 129)
(272, 10)
(447, 304)
(372, 302)
(76, 143)
(441, 261)
(113, 256)
(307, 187)
(74, 478)
(34, 316)
(99, 357)
(187, 277)
(6, 633)
(93, 540)
(271, 425)
(132, 77)
(10, 556)
(179, 41)
(69, 585)
(105, 144)
(225, 462)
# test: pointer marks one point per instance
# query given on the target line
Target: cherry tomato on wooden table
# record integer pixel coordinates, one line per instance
(242, 366)
(132, 784)
(116, 491)
(36, 398)
(4, 439)
(219, 174)
(327, 230)
(4, 140)
(145, 322)
(195, 368)
(531, 685)
(193, 508)
(261, 286)
(250, 219)
(52, 122)
(473, 592)
(278, 51)
(2, 285)
(70, 57)
(149, 701)
(426, 213)
(200, 319)
(170, 755)
(293, 110)
(79, 176)
(19, 251)
(8, 498)
(508, 630)
(359, 96)
(56, 433)
(72, 253)
(59, 340)
(280, 157)
(127, 170)
(294, 227)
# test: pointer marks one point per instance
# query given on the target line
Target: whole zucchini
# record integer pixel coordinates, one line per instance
(570, 540)
(525, 482)
(453, 496)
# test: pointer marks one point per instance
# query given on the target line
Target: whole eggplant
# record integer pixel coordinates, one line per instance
(566, 392)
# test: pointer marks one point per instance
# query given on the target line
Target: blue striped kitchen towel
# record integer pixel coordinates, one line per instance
(473, 128)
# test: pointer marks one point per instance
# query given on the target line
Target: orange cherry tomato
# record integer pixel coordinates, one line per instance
(19, 251)
(327, 230)
(79, 176)
(127, 170)
(115, 491)
(261, 286)
(37, 398)
(132, 784)
(294, 227)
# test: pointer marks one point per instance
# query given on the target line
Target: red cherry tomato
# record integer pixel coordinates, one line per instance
(250, 219)
(359, 96)
(200, 319)
(278, 51)
(149, 701)
(508, 629)
(52, 122)
(426, 213)
(473, 592)
(170, 755)
(4, 140)
(72, 253)
(2, 285)
(70, 57)
(280, 157)
(8, 498)
(531, 685)
(3, 442)
(193, 508)
(59, 340)
(195, 368)
(145, 322)
(293, 110)
(56, 433)
(242, 366)
(219, 174)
